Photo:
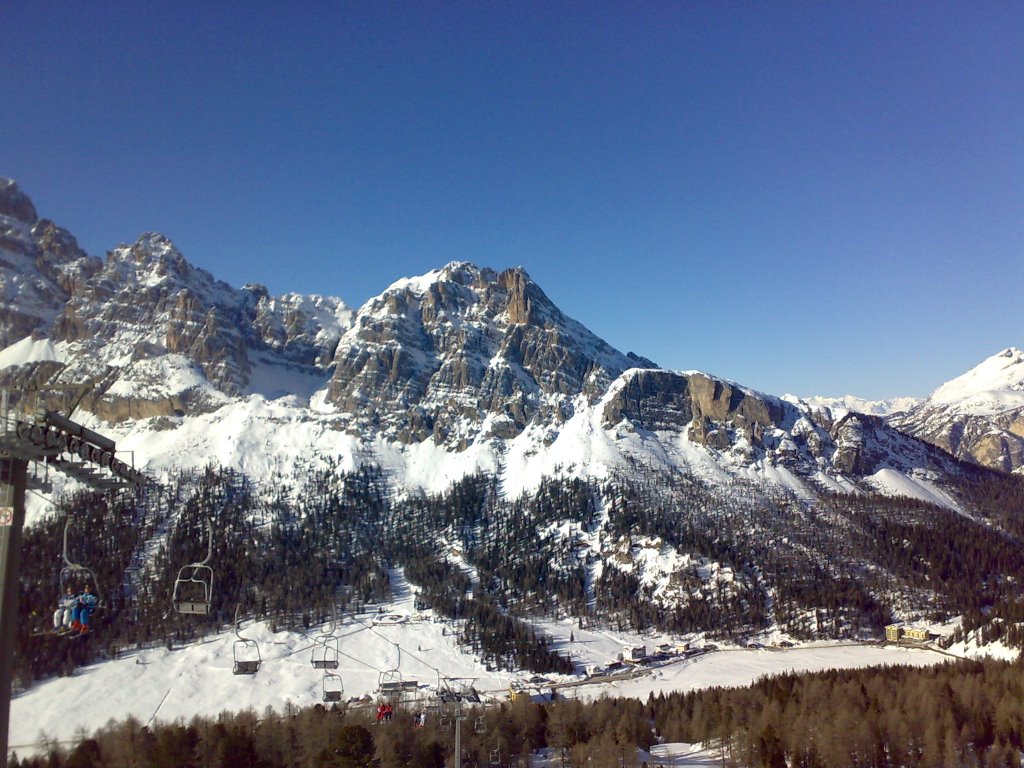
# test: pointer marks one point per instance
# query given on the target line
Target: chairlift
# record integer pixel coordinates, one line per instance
(390, 684)
(193, 589)
(480, 725)
(333, 688)
(495, 757)
(325, 652)
(246, 653)
(325, 646)
(77, 576)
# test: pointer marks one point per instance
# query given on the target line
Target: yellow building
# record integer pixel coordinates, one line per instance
(896, 632)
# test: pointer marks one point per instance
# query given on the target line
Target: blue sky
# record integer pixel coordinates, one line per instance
(816, 198)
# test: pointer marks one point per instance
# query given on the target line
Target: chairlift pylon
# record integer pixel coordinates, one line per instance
(193, 589)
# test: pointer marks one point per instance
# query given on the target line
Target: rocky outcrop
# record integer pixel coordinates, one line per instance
(15, 204)
(143, 302)
(717, 412)
(995, 441)
(466, 351)
(978, 416)
(304, 329)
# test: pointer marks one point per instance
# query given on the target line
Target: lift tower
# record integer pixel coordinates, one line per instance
(47, 440)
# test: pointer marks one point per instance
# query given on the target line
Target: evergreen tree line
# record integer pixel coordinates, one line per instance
(301, 546)
(964, 714)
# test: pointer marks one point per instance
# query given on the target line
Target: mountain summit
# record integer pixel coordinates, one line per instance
(464, 350)
(464, 368)
(978, 416)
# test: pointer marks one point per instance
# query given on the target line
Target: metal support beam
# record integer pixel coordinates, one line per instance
(13, 477)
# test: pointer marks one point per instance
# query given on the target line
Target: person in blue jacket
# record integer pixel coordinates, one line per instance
(85, 604)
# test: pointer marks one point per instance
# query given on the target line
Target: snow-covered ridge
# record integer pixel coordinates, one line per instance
(883, 407)
(994, 385)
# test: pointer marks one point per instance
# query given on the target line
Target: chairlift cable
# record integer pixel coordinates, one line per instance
(400, 649)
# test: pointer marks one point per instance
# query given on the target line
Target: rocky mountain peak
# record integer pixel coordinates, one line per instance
(464, 351)
(153, 260)
(15, 203)
(997, 380)
(978, 416)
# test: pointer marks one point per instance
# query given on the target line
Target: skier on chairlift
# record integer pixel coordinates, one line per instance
(65, 607)
(85, 604)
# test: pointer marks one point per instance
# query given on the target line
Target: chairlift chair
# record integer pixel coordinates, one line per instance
(480, 725)
(495, 757)
(246, 652)
(193, 589)
(247, 656)
(75, 575)
(333, 688)
(389, 684)
(325, 652)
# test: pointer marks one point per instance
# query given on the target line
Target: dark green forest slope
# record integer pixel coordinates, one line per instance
(298, 547)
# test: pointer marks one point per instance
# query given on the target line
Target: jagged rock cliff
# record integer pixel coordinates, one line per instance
(462, 361)
(464, 350)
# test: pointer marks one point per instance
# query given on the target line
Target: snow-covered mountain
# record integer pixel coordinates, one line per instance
(884, 408)
(707, 506)
(461, 369)
(978, 416)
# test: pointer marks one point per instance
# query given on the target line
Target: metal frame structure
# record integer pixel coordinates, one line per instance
(71, 570)
(201, 574)
(333, 687)
(46, 439)
(325, 652)
(241, 651)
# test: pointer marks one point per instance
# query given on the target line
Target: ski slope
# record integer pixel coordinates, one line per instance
(162, 685)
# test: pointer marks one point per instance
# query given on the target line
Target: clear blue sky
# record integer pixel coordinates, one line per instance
(806, 197)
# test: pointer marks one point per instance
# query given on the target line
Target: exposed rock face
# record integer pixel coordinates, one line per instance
(711, 407)
(977, 417)
(146, 302)
(15, 204)
(466, 349)
(994, 441)
(653, 400)
(40, 265)
(463, 356)
(305, 329)
(747, 427)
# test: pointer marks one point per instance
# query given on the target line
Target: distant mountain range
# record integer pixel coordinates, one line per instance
(460, 369)
(488, 432)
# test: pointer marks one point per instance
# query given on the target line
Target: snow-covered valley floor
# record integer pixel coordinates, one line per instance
(158, 684)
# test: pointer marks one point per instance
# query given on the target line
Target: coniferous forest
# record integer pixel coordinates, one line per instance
(298, 548)
(966, 714)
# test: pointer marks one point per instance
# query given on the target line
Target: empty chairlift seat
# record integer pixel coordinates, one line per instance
(247, 657)
(332, 687)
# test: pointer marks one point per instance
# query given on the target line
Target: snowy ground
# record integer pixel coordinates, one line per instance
(158, 684)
